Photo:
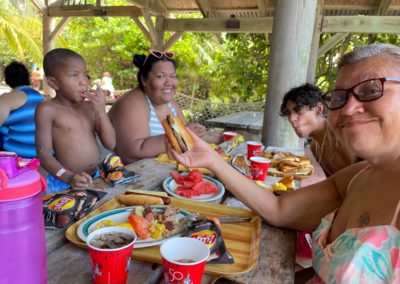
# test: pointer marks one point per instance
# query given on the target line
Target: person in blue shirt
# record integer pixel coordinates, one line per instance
(17, 109)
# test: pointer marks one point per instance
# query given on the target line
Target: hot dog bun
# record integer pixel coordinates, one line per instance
(176, 132)
(138, 199)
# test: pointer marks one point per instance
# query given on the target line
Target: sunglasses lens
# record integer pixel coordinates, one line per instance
(156, 53)
(169, 55)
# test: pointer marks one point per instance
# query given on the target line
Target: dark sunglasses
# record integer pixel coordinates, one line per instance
(365, 91)
(159, 54)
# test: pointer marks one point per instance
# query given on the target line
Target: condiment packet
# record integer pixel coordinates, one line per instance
(63, 209)
(209, 233)
(114, 172)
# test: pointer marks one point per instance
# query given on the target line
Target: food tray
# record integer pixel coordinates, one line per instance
(241, 239)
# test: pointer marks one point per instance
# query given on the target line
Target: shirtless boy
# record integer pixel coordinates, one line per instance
(66, 126)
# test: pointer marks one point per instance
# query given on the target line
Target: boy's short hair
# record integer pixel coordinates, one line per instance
(306, 95)
(16, 75)
(54, 59)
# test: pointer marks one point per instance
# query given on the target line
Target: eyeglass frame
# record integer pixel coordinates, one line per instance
(166, 54)
(358, 98)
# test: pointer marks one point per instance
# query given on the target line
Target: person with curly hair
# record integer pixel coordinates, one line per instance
(305, 110)
(138, 114)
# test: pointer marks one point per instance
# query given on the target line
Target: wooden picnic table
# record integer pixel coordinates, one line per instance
(67, 263)
(251, 121)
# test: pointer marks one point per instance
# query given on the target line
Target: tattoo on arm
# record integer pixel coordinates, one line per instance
(363, 220)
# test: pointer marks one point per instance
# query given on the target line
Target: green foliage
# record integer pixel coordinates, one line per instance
(107, 44)
(327, 63)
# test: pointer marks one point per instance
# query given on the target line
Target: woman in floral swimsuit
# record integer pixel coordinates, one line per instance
(359, 239)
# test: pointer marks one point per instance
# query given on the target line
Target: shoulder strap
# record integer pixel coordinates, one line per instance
(396, 214)
(357, 174)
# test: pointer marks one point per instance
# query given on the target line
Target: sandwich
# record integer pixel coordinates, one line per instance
(177, 134)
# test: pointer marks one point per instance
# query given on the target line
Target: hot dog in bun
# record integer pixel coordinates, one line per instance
(176, 132)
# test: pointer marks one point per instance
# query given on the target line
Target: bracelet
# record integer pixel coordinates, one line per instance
(61, 172)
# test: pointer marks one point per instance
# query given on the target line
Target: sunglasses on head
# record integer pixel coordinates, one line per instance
(159, 54)
(365, 91)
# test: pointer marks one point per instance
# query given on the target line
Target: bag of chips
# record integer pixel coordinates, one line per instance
(209, 233)
(114, 172)
(62, 209)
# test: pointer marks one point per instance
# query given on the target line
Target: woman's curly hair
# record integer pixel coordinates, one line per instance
(306, 95)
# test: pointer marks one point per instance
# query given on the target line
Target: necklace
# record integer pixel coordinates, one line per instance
(322, 145)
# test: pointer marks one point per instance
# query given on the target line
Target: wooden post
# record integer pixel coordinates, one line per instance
(290, 51)
(160, 32)
(312, 63)
(47, 43)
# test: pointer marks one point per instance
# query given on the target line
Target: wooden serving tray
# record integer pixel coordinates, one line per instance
(241, 239)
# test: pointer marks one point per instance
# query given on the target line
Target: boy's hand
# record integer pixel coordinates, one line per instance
(80, 181)
(98, 99)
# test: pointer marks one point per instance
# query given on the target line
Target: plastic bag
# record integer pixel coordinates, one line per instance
(63, 209)
(114, 172)
(209, 233)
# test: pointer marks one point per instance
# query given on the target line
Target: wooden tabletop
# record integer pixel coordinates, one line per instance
(67, 263)
(244, 120)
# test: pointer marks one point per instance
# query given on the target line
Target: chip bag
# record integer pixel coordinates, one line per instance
(208, 232)
(62, 209)
(113, 171)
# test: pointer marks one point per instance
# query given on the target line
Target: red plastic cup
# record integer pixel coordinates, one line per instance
(253, 148)
(228, 135)
(110, 266)
(259, 167)
(183, 260)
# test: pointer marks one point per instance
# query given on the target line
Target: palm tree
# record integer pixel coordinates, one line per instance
(22, 33)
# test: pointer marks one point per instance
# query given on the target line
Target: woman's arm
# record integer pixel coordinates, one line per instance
(9, 102)
(130, 117)
(300, 209)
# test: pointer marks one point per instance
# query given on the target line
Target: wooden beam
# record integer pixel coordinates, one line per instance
(150, 26)
(331, 43)
(111, 11)
(59, 28)
(142, 28)
(205, 8)
(160, 34)
(383, 7)
(174, 38)
(38, 5)
(262, 12)
(361, 24)
(152, 7)
(216, 25)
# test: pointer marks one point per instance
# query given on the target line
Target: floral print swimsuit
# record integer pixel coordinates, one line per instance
(358, 255)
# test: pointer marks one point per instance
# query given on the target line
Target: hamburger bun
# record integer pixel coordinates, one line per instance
(177, 134)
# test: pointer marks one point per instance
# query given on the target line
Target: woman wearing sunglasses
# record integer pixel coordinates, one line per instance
(305, 110)
(137, 115)
(356, 210)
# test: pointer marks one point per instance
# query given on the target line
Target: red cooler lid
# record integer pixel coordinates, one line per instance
(22, 186)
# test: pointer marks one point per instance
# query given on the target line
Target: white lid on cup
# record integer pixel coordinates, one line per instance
(255, 143)
(184, 248)
(260, 160)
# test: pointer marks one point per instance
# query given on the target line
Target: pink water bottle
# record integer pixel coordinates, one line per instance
(22, 233)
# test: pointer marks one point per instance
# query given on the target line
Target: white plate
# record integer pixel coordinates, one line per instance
(121, 215)
(170, 187)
